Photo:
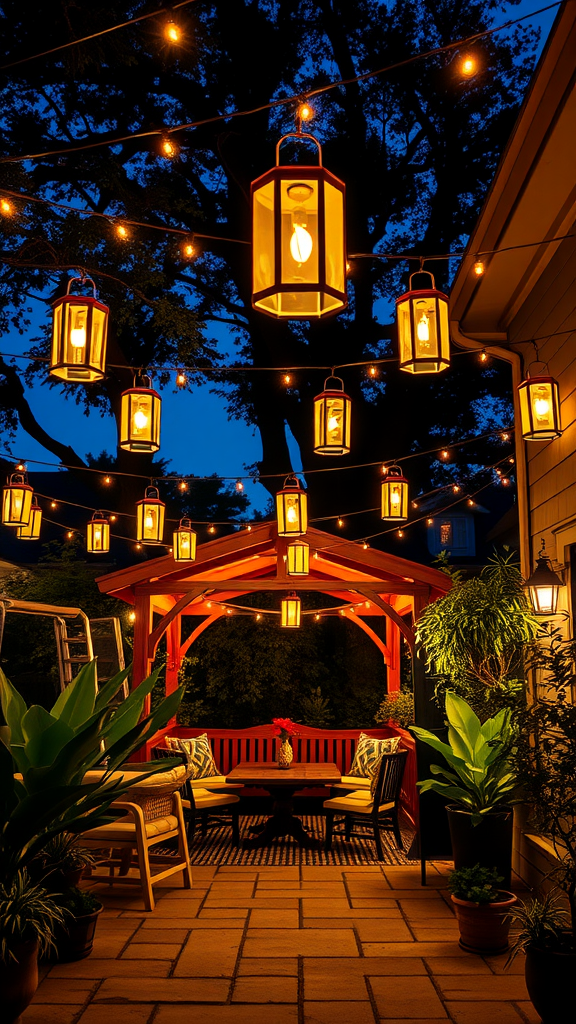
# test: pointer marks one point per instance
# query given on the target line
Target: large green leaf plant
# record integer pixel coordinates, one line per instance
(479, 775)
(44, 756)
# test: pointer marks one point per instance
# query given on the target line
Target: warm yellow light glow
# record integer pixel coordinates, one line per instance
(340, 522)
(395, 496)
(423, 328)
(483, 356)
(183, 486)
(172, 32)
(181, 379)
(400, 533)
(189, 250)
(468, 67)
(372, 371)
(211, 529)
(305, 112)
(333, 423)
(53, 504)
(169, 148)
(541, 407)
(113, 519)
(455, 488)
(149, 519)
(6, 207)
(287, 378)
(78, 337)
(300, 244)
(291, 512)
(140, 419)
(121, 231)
(479, 268)
(239, 486)
(132, 615)
(69, 535)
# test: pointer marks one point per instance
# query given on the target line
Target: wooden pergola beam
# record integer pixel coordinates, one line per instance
(399, 587)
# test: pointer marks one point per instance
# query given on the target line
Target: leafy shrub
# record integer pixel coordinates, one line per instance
(477, 884)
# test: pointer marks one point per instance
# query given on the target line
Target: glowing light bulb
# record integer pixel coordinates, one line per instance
(317, 617)
(239, 486)
(183, 486)
(479, 268)
(53, 504)
(168, 148)
(372, 371)
(113, 519)
(258, 617)
(455, 488)
(400, 533)
(468, 67)
(287, 378)
(340, 522)
(429, 522)
(291, 514)
(69, 535)
(395, 497)
(138, 547)
(300, 244)
(149, 519)
(483, 356)
(365, 546)
(121, 231)
(305, 112)
(6, 207)
(332, 422)
(172, 32)
(423, 328)
(131, 616)
(541, 406)
(211, 529)
(140, 419)
(189, 250)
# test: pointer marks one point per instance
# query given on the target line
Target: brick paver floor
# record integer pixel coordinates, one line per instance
(284, 945)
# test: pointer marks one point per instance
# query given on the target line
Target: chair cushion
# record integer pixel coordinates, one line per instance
(368, 751)
(351, 782)
(359, 802)
(205, 798)
(216, 782)
(198, 753)
(124, 828)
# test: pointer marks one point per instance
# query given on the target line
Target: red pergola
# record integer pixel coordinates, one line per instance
(369, 582)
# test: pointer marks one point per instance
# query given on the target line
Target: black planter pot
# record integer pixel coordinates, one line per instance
(76, 939)
(488, 844)
(550, 982)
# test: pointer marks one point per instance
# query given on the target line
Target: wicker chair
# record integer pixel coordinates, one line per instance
(206, 801)
(363, 807)
(153, 815)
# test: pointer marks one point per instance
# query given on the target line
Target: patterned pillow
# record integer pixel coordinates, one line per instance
(374, 775)
(368, 751)
(198, 753)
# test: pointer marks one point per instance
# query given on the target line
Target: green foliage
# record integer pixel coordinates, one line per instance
(398, 708)
(315, 709)
(62, 853)
(27, 913)
(77, 902)
(541, 920)
(480, 776)
(477, 884)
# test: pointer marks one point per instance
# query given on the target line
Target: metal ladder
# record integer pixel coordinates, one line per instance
(74, 646)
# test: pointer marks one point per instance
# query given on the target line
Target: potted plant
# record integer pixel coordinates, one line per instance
(63, 862)
(481, 909)
(284, 728)
(479, 778)
(547, 939)
(74, 938)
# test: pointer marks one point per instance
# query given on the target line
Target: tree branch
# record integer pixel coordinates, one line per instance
(28, 421)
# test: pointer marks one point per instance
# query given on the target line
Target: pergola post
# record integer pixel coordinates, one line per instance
(393, 645)
(142, 665)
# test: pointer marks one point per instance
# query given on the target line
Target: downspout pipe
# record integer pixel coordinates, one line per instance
(489, 344)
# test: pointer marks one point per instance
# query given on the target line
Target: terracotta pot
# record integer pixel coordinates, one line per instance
(75, 940)
(18, 981)
(483, 928)
(488, 844)
(550, 982)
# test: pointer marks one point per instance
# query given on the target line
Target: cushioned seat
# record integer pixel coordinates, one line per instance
(352, 782)
(124, 827)
(208, 794)
(360, 801)
(371, 805)
(206, 798)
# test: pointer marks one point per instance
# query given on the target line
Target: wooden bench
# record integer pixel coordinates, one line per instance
(317, 746)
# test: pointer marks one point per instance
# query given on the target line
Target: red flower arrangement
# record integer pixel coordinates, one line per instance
(283, 727)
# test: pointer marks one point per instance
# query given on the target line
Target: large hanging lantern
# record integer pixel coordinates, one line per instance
(98, 535)
(150, 517)
(17, 501)
(539, 408)
(298, 558)
(299, 239)
(184, 542)
(544, 585)
(394, 495)
(79, 332)
(423, 331)
(292, 509)
(32, 530)
(332, 415)
(140, 417)
(291, 611)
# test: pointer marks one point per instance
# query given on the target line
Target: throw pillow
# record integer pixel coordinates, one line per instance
(199, 754)
(368, 751)
(374, 775)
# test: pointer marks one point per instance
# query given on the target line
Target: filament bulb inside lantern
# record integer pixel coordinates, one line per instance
(78, 337)
(332, 422)
(140, 419)
(300, 244)
(541, 407)
(149, 519)
(291, 514)
(423, 329)
(395, 497)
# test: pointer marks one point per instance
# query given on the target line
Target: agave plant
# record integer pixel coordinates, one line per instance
(479, 775)
(45, 755)
(27, 914)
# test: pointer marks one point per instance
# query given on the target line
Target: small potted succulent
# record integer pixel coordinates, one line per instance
(481, 909)
(74, 938)
(284, 728)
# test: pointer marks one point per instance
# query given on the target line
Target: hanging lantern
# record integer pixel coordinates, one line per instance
(150, 518)
(292, 508)
(332, 414)
(79, 333)
(291, 610)
(539, 408)
(394, 495)
(32, 531)
(140, 417)
(17, 501)
(98, 535)
(299, 239)
(544, 585)
(298, 558)
(423, 331)
(184, 542)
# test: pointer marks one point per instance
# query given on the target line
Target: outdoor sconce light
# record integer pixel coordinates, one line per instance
(32, 530)
(423, 331)
(291, 610)
(544, 585)
(298, 558)
(150, 518)
(17, 501)
(394, 495)
(140, 417)
(299, 239)
(539, 408)
(292, 509)
(332, 415)
(98, 535)
(184, 542)
(79, 332)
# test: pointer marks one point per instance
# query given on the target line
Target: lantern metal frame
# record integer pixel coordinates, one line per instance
(323, 408)
(329, 284)
(184, 534)
(528, 415)
(292, 497)
(298, 558)
(150, 502)
(98, 535)
(32, 530)
(394, 478)
(17, 501)
(132, 437)
(291, 611)
(67, 361)
(437, 359)
(543, 581)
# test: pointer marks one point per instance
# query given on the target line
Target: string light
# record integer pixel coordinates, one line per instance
(504, 437)
(505, 481)
(483, 357)
(169, 148)
(470, 502)
(53, 504)
(365, 545)
(305, 112)
(479, 268)
(211, 528)
(372, 371)
(468, 67)
(511, 461)
(429, 522)
(414, 504)
(113, 518)
(172, 31)
(317, 617)
(400, 533)
(182, 486)
(189, 250)
(138, 547)
(339, 522)
(456, 488)
(6, 207)
(122, 231)
(287, 379)
(444, 454)
(21, 468)
(239, 486)
(181, 379)
(258, 616)
(69, 534)
(107, 480)
(131, 616)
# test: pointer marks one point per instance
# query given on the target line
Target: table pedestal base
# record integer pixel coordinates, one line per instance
(282, 822)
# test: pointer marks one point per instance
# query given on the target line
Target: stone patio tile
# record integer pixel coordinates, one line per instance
(58, 988)
(42, 1014)
(166, 909)
(273, 883)
(387, 930)
(400, 894)
(352, 913)
(373, 886)
(242, 873)
(265, 990)
(204, 871)
(445, 965)
(279, 871)
(338, 1013)
(107, 946)
(375, 903)
(415, 910)
(108, 912)
(422, 949)
(474, 987)
(497, 963)
(397, 998)
(322, 872)
(474, 1013)
(152, 951)
(196, 892)
(234, 918)
(237, 889)
(407, 878)
(270, 942)
(330, 985)
(362, 869)
(111, 969)
(169, 990)
(218, 922)
(371, 967)
(274, 919)
(273, 903)
(436, 933)
(234, 1014)
(137, 1013)
(214, 957)
(285, 966)
(336, 887)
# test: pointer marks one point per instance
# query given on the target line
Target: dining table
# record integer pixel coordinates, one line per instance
(282, 783)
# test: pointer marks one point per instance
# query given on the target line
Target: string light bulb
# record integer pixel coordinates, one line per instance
(211, 528)
(468, 67)
(504, 437)
(483, 357)
(53, 504)
(365, 545)
(183, 486)
(239, 486)
(172, 31)
(339, 522)
(372, 371)
(287, 379)
(400, 533)
(479, 268)
(471, 502)
(113, 518)
(429, 522)
(122, 231)
(6, 207)
(132, 615)
(444, 454)
(305, 112)
(181, 379)
(169, 148)
(69, 534)
(189, 250)
(455, 488)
